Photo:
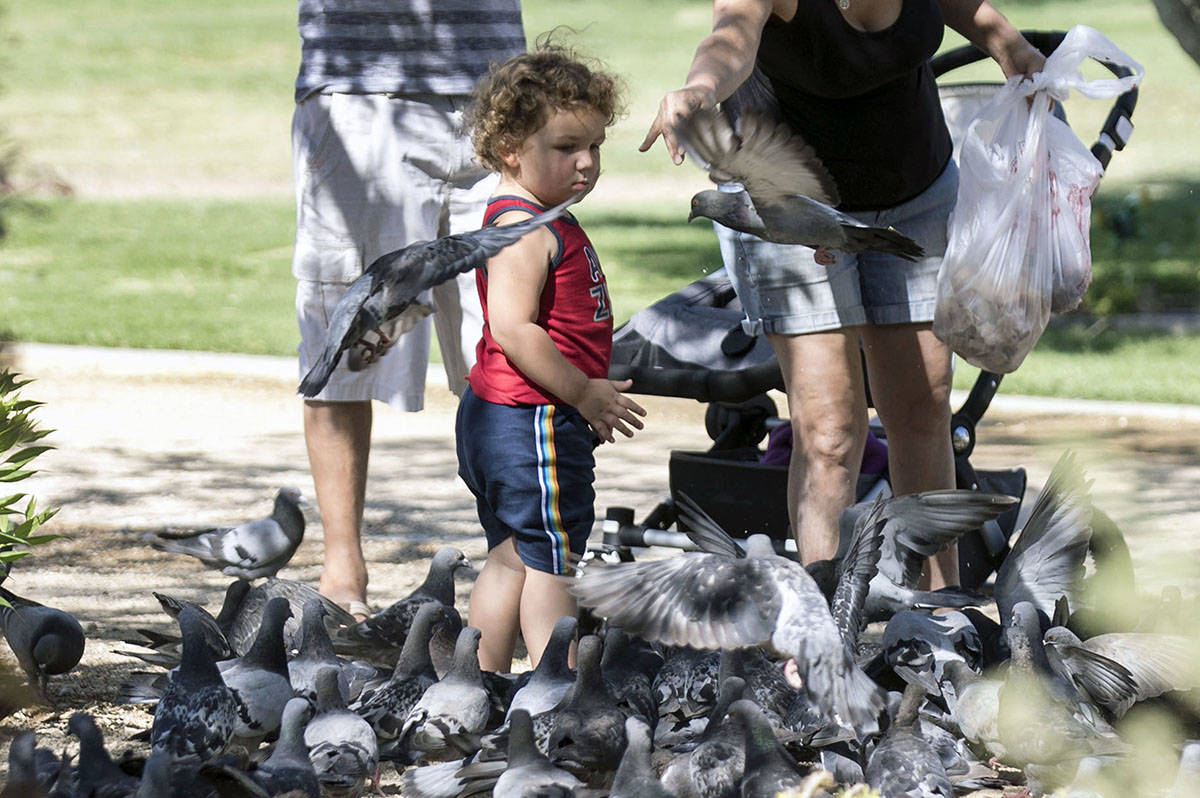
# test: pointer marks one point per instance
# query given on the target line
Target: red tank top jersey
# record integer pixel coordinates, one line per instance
(574, 309)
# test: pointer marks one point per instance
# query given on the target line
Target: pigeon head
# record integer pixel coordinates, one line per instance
(449, 560)
(732, 209)
(1060, 635)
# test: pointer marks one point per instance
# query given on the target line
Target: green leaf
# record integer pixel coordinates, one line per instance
(23, 456)
(14, 476)
(37, 540)
(10, 556)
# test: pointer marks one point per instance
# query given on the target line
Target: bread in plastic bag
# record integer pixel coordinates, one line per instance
(1018, 246)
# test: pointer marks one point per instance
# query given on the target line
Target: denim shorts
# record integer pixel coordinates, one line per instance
(784, 291)
(531, 469)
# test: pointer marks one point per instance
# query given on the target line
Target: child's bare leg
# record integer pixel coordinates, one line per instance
(543, 601)
(495, 604)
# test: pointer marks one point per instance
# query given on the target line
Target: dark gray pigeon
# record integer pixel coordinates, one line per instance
(786, 193)
(770, 770)
(259, 680)
(249, 613)
(97, 775)
(589, 730)
(635, 777)
(716, 765)
(1047, 560)
(714, 601)
(382, 635)
(249, 550)
(918, 644)
(395, 280)
(904, 764)
(22, 769)
(167, 648)
(46, 641)
(287, 771)
(195, 718)
(315, 655)
(341, 745)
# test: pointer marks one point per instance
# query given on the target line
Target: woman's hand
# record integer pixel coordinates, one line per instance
(675, 106)
(1021, 58)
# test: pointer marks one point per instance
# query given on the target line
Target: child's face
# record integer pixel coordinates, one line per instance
(561, 157)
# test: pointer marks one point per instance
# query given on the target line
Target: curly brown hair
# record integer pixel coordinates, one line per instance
(517, 97)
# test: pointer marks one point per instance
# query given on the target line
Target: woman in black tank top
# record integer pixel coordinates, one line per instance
(852, 78)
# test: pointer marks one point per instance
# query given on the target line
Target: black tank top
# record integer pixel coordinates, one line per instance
(866, 102)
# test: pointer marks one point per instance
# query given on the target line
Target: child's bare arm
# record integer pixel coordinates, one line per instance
(515, 280)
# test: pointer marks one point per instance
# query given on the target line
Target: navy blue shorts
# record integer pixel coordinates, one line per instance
(531, 468)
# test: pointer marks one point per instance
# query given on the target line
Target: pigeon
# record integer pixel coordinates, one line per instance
(635, 778)
(770, 770)
(629, 666)
(589, 730)
(248, 617)
(1044, 724)
(716, 765)
(168, 647)
(1187, 779)
(714, 601)
(386, 706)
(259, 680)
(456, 705)
(529, 771)
(551, 681)
(786, 193)
(1119, 669)
(917, 645)
(685, 687)
(195, 718)
(249, 550)
(287, 771)
(904, 763)
(315, 655)
(395, 280)
(382, 635)
(1047, 560)
(22, 769)
(46, 641)
(974, 702)
(97, 775)
(341, 746)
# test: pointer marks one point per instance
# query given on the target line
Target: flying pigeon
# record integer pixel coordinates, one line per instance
(714, 601)
(786, 194)
(45, 640)
(247, 551)
(395, 280)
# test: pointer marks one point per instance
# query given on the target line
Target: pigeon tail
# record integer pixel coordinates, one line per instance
(883, 239)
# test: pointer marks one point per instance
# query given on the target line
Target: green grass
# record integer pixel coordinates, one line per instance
(171, 125)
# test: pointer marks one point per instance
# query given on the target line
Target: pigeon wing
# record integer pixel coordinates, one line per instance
(922, 525)
(766, 156)
(1159, 663)
(704, 531)
(705, 601)
(1105, 681)
(395, 280)
(857, 569)
(1047, 560)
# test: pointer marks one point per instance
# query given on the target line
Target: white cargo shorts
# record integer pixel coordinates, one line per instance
(374, 173)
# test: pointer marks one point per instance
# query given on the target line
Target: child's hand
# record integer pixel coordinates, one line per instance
(607, 409)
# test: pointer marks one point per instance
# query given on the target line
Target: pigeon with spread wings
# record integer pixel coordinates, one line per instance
(787, 194)
(395, 280)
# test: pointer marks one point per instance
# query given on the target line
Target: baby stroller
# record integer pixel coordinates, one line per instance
(691, 345)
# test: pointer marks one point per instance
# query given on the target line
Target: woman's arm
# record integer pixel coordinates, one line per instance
(516, 277)
(723, 61)
(987, 29)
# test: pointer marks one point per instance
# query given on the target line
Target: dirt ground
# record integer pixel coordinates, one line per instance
(158, 440)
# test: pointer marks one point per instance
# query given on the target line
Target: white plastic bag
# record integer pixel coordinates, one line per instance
(1018, 239)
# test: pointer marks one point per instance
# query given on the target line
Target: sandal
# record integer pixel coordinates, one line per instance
(359, 610)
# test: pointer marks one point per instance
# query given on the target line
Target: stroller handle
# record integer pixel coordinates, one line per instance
(701, 384)
(1115, 133)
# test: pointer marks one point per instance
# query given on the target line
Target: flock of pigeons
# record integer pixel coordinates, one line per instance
(731, 671)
